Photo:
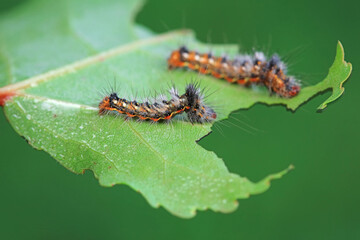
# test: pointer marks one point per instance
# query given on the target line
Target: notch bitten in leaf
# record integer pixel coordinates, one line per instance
(50, 102)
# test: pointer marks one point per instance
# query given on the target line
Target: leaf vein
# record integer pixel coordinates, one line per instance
(33, 81)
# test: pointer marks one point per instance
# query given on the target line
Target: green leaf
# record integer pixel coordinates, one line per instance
(56, 68)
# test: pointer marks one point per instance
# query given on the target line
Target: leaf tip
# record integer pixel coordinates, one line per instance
(291, 167)
(337, 88)
(340, 46)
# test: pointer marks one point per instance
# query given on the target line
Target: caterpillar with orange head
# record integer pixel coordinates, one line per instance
(191, 102)
(244, 70)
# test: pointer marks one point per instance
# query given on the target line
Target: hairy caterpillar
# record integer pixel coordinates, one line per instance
(191, 102)
(244, 70)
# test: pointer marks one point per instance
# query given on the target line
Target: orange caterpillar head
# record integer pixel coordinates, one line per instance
(285, 87)
(278, 81)
(104, 105)
(292, 87)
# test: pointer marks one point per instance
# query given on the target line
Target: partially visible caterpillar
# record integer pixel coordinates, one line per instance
(244, 70)
(191, 102)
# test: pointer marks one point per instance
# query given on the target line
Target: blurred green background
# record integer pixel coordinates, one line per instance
(318, 200)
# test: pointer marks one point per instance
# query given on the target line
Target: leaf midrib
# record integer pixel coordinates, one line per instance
(85, 62)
